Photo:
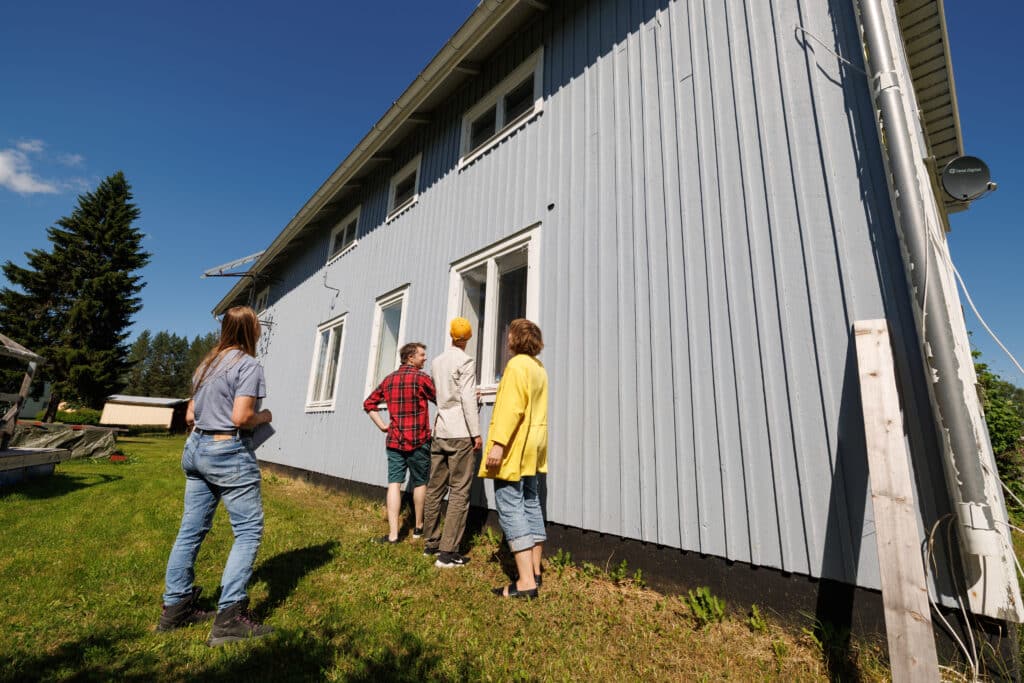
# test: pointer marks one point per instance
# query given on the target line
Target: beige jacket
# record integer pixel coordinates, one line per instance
(454, 374)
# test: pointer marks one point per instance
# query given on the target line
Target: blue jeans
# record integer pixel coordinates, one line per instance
(217, 470)
(519, 513)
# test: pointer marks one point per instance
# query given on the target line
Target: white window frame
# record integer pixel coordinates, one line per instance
(411, 167)
(325, 405)
(496, 98)
(384, 301)
(342, 224)
(530, 238)
(260, 301)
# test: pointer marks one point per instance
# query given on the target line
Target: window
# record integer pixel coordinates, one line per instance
(259, 302)
(323, 376)
(507, 107)
(387, 337)
(404, 188)
(491, 289)
(343, 237)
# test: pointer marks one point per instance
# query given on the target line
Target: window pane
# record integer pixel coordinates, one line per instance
(331, 370)
(344, 237)
(387, 350)
(350, 232)
(321, 360)
(483, 128)
(405, 189)
(519, 101)
(261, 301)
(511, 305)
(474, 293)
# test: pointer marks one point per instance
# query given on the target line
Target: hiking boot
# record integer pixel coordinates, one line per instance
(448, 560)
(183, 613)
(235, 622)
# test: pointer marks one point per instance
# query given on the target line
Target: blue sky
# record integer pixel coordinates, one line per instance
(226, 119)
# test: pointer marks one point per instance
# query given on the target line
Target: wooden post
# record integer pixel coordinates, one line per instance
(908, 622)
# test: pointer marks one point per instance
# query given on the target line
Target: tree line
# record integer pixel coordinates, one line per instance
(162, 364)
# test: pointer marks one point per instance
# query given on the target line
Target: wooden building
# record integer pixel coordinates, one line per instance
(693, 202)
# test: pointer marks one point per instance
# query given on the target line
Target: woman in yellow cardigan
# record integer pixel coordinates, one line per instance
(517, 450)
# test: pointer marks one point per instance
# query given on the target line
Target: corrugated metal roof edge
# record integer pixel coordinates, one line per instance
(145, 400)
(485, 18)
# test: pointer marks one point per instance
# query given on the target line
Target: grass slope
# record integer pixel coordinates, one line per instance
(81, 573)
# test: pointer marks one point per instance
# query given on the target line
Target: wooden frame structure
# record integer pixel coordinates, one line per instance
(16, 462)
(12, 349)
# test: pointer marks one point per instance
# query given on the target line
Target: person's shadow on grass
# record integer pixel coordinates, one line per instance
(55, 485)
(283, 571)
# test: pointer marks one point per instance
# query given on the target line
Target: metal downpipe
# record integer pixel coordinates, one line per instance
(963, 470)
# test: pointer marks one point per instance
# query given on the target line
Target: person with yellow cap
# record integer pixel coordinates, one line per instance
(456, 439)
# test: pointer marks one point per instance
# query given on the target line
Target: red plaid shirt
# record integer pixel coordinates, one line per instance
(406, 392)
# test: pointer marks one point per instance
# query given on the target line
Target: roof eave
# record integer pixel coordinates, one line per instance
(486, 17)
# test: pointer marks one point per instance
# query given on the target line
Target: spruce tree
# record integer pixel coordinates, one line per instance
(82, 295)
(136, 381)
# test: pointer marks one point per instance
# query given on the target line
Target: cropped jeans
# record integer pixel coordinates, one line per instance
(519, 512)
(217, 470)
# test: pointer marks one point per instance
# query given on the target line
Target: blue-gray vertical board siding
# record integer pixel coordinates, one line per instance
(720, 219)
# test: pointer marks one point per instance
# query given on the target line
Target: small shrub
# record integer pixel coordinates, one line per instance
(80, 416)
(706, 607)
(561, 561)
(491, 536)
(757, 622)
(638, 579)
(619, 574)
(590, 570)
(781, 651)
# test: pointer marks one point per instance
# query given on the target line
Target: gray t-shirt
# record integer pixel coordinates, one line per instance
(235, 373)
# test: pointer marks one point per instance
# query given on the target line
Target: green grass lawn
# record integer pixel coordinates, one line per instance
(82, 556)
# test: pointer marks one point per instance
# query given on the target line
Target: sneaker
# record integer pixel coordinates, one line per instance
(430, 551)
(183, 613)
(383, 539)
(235, 622)
(417, 532)
(448, 560)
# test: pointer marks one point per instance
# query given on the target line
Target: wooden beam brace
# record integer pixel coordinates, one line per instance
(908, 619)
(468, 68)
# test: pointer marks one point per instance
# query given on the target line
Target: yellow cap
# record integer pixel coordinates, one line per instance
(460, 329)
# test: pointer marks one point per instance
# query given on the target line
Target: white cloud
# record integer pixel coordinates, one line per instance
(78, 184)
(30, 146)
(71, 159)
(16, 171)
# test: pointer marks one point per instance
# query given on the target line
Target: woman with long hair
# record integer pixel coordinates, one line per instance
(219, 464)
(517, 451)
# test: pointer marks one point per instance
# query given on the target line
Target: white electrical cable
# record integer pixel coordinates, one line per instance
(982, 320)
(949, 260)
(1014, 495)
(959, 597)
(930, 559)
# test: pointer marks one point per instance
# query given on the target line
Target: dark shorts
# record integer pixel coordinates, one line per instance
(417, 462)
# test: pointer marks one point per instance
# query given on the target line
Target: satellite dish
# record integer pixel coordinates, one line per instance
(966, 178)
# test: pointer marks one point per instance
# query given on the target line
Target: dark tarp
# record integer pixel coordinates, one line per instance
(84, 442)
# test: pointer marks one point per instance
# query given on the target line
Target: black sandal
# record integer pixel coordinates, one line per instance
(513, 592)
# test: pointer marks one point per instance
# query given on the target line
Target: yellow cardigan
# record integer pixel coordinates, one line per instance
(520, 421)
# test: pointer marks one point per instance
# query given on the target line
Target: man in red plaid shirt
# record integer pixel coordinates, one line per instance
(406, 392)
